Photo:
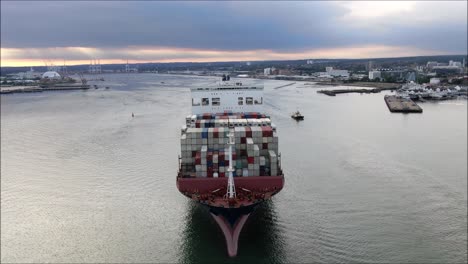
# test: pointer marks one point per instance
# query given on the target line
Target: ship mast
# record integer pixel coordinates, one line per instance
(231, 189)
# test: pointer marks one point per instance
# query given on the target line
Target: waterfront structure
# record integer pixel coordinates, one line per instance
(28, 75)
(434, 81)
(455, 64)
(442, 70)
(51, 75)
(267, 71)
(330, 72)
(374, 75)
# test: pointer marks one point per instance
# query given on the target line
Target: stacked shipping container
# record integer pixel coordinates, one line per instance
(204, 145)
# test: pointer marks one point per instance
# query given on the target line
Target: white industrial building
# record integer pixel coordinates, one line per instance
(455, 63)
(434, 81)
(51, 75)
(330, 72)
(268, 71)
(374, 75)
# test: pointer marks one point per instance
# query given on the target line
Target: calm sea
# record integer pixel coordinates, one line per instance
(83, 181)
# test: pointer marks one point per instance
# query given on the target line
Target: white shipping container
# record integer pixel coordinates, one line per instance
(256, 151)
(272, 155)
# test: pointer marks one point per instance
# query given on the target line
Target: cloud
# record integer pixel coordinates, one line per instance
(80, 55)
(279, 27)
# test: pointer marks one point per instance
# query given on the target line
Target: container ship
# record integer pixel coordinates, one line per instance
(229, 155)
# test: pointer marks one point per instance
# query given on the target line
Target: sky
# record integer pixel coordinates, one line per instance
(35, 33)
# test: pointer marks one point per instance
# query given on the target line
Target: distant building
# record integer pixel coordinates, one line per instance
(267, 71)
(419, 68)
(410, 77)
(329, 71)
(51, 75)
(455, 63)
(31, 74)
(310, 62)
(432, 64)
(358, 76)
(284, 72)
(447, 69)
(374, 75)
(434, 81)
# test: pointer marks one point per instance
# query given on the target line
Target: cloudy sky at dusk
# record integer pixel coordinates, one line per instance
(34, 32)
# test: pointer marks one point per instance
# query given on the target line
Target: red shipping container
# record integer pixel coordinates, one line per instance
(248, 132)
(250, 160)
(194, 153)
(222, 175)
(243, 140)
(267, 132)
(234, 156)
(226, 163)
(215, 132)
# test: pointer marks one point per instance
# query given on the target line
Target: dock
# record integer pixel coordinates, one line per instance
(289, 84)
(398, 104)
(362, 90)
(38, 89)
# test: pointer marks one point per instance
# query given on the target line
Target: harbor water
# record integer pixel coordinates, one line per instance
(84, 181)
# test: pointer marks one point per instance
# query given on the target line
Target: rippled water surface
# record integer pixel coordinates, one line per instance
(83, 181)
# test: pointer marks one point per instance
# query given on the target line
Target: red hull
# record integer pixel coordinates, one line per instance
(249, 190)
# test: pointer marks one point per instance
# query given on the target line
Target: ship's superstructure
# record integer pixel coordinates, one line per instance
(229, 155)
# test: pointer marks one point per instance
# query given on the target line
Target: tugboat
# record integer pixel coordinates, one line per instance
(297, 116)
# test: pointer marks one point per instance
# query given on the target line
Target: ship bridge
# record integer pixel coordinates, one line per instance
(227, 97)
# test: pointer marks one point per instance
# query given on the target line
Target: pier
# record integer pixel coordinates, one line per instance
(38, 89)
(398, 104)
(289, 84)
(362, 90)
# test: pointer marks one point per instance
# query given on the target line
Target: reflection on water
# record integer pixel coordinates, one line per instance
(261, 240)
